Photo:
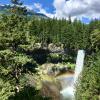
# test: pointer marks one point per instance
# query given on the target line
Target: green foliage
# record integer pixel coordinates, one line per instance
(28, 93)
(5, 89)
(19, 56)
(71, 66)
(54, 58)
(95, 39)
(18, 8)
(74, 35)
(14, 63)
(88, 87)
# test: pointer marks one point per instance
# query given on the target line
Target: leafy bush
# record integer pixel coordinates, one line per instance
(28, 93)
(54, 58)
(5, 89)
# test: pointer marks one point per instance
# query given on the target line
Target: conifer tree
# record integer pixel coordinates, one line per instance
(18, 7)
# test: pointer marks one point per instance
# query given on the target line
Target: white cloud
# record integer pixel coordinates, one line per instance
(74, 8)
(30, 7)
(40, 9)
(77, 8)
(38, 6)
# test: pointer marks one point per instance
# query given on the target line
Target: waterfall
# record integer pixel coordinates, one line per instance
(79, 64)
(68, 92)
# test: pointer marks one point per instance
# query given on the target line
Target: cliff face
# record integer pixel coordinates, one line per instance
(56, 49)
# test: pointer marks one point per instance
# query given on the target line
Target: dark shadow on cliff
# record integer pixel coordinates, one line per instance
(40, 55)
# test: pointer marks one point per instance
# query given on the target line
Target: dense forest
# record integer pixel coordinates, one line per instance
(24, 46)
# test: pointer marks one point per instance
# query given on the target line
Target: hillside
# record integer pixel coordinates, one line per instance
(5, 9)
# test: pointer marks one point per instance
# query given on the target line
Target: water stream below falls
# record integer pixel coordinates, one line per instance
(68, 81)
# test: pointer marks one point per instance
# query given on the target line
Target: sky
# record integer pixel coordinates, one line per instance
(84, 10)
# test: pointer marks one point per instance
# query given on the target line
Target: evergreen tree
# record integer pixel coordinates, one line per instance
(95, 39)
(18, 7)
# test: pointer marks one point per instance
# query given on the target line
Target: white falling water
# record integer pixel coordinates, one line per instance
(79, 64)
(68, 92)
